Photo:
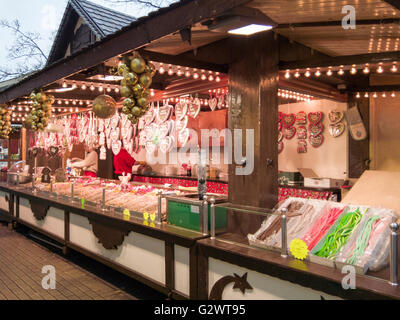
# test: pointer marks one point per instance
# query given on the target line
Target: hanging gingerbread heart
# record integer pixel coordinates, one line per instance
(115, 135)
(316, 129)
(288, 119)
(181, 124)
(101, 125)
(166, 144)
(213, 103)
(164, 113)
(335, 116)
(150, 147)
(315, 117)
(301, 132)
(302, 146)
(336, 130)
(221, 100)
(301, 118)
(149, 117)
(289, 132)
(114, 121)
(280, 136)
(194, 108)
(102, 139)
(316, 141)
(183, 137)
(103, 153)
(163, 130)
(116, 147)
(181, 109)
(280, 147)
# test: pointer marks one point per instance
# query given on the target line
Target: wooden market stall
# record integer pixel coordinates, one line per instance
(293, 88)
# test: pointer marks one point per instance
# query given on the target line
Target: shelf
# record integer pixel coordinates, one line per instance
(247, 209)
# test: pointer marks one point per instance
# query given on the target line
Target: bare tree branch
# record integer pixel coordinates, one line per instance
(25, 50)
(155, 4)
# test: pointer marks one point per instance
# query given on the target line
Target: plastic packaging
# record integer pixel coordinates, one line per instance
(369, 245)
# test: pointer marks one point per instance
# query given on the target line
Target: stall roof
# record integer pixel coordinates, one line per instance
(143, 31)
(101, 21)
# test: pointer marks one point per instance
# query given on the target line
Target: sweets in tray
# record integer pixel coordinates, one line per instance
(335, 234)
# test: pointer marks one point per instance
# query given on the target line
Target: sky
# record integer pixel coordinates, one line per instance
(44, 17)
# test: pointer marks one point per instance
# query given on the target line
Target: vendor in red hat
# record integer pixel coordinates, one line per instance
(123, 163)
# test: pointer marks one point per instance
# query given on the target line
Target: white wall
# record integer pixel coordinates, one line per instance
(330, 160)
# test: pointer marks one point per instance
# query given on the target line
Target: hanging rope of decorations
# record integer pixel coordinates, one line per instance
(138, 76)
(5, 121)
(41, 110)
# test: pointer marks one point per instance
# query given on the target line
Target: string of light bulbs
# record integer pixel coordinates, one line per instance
(341, 70)
(293, 95)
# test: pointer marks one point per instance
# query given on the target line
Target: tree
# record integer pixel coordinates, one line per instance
(25, 52)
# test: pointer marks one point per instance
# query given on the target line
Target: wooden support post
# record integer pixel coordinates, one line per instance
(253, 98)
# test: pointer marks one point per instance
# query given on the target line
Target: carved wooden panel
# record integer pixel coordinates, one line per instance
(39, 210)
(110, 238)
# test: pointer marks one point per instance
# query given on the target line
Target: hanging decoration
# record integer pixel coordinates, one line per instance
(138, 76)
(5, 121)
(41, 110)
(336, 126)
(104, 107)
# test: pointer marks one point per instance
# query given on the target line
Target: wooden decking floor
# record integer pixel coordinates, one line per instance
(21, 263)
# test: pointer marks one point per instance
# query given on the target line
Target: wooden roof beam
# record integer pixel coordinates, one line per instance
(394, 3)
(342, 60)
(336, 23)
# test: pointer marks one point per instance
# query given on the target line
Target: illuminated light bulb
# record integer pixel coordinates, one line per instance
(307, 74)
(83, 87)
(92, 88)
(101, 89)
(188, 74)
(366, 69)
(76, 109)
(318, 73)
(19, 108)
(71, 110)
(353, 70)
(297, 74)
(179, 72)
(88, 102)
(74, 103)
(26, 109)
(74, 86)
(341, 72)
(161, 70)
(366, 95)
(358, 95)
(59, 110)
(81, 103)
(64, 85)
(279, 94)
(380, 69)
(394, 68)
(329, 72)
(67, 102)
(393, 95)
(65, 110)
(384, 95)
(211, 77)
(170, 71)
(203, 77)
(196, 76)
(218, 79)
(23, 118)
(152, 93)
(108, 89)
(59, 101)
(375, 95)
(287, 74)
(116, 90)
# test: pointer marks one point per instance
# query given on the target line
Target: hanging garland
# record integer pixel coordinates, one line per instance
(138, 76)
(41, 110)
(5, 121)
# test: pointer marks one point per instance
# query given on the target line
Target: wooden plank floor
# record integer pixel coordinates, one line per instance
(21, 263)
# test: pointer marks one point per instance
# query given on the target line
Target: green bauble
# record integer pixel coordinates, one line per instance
(143, 102)
(131, 79)
(122, 69)
(104, 107)
(128, 102)
(138, 65)
(137, 90)
(126, 92)
(125, 110)
(136, 111)
(146, 80)
(146, 94)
